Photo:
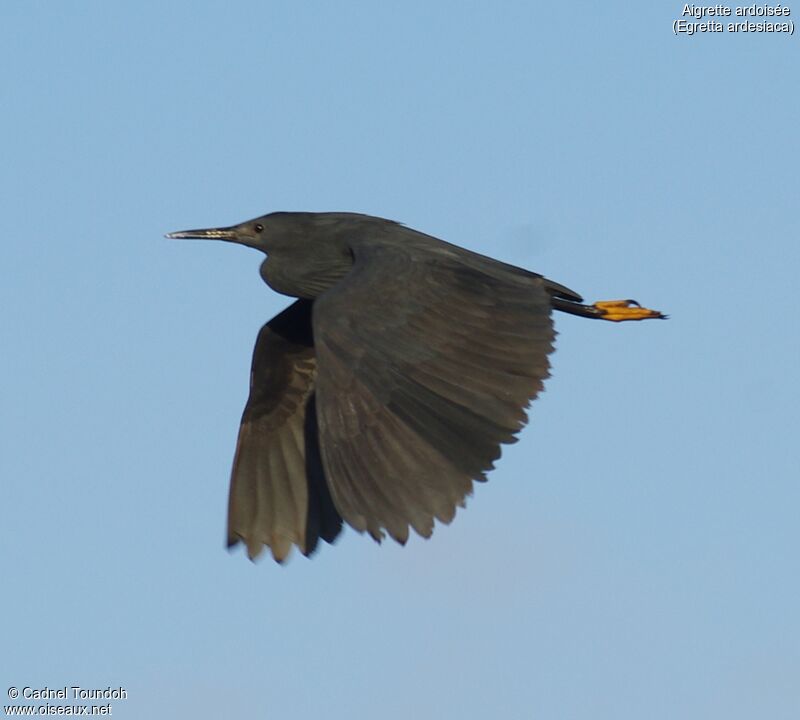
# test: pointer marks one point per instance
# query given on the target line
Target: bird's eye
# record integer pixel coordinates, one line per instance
(258, 227)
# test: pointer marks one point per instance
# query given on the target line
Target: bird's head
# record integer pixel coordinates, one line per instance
(306, 252)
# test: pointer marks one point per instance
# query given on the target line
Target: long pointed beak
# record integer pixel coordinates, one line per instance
(207, 234)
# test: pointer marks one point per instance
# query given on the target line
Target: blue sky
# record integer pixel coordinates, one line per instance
(634, 555)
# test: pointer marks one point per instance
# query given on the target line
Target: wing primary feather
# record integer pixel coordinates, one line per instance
(323, 519)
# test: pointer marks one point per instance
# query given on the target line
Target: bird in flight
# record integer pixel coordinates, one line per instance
(388, 386)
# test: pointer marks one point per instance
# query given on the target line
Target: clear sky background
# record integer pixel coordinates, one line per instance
(635, 555)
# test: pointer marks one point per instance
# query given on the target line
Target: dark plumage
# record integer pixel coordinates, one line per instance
(389, 385)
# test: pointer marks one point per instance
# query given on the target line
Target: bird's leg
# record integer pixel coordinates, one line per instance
(613, 310)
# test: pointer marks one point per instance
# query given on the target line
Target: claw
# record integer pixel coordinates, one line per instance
(621, 310)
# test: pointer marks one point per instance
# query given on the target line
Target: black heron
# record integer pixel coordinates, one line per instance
(388, 387)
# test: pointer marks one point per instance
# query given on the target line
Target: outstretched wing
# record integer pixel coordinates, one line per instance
(427, 358)
(278, 495)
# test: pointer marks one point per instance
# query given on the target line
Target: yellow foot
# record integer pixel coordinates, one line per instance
(619, 310)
